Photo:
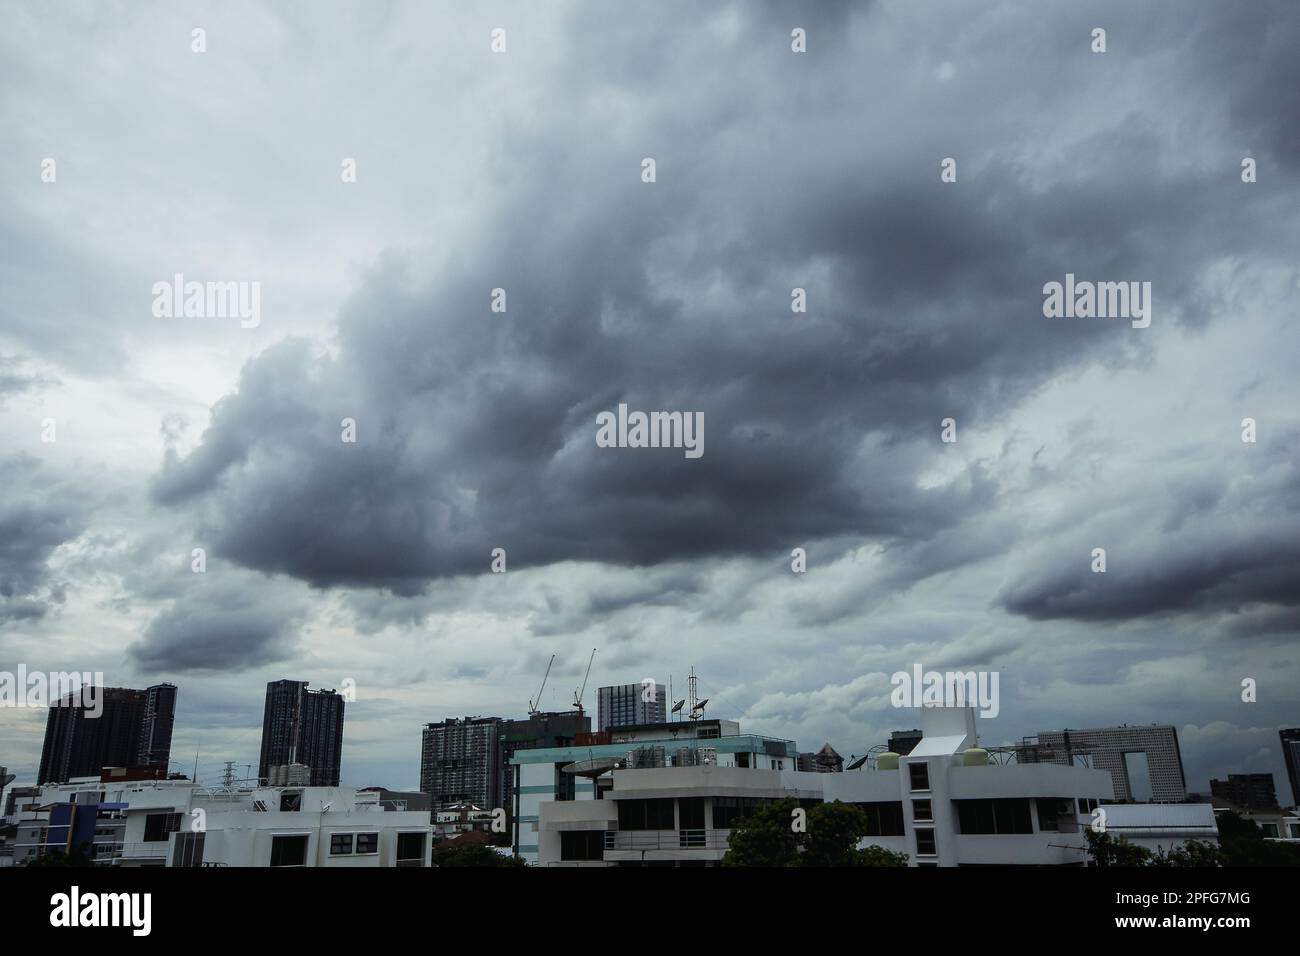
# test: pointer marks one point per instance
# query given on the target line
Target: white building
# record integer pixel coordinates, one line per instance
(1161, 826)
(944, 804)
(176, 823)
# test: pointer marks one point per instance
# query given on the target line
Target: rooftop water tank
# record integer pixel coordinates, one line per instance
(887, 761)
(975, 757)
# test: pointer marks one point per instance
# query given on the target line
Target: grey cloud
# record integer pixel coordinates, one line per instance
(38, 513)
(1241, 554)
(220, 624)
(478, 429)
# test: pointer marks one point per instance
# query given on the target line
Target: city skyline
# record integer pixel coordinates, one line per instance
(804, 280)
(1105, 747)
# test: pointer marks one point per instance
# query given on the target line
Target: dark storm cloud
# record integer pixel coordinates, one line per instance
(230, 624)
(37, 514)
(1205, 546)
(477, 430)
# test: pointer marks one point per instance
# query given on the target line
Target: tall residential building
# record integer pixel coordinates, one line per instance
(624, 705)
(1149, 754)
(1249, 791)
(558, 729)
(1290, 738)
(305, 727)
(80, 744)
(460, 761)
(156, 725)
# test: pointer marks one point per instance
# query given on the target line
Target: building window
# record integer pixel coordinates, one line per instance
(646, 815)
(582, 845)
(410, 849)
(728, 812)
(921, 811)
(1055, 814)
(1270, 830)
(341, 844)
(920, 773)
(1009, 815)
(884, 818)
(188, 849)
(925, 842)
(742, 760)
(289, 850)
(158, 825)
(690, 810)
(367, 843)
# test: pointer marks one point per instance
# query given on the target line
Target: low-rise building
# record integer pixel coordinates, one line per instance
(177, 823)
(943, 804)
(451, 821)
(1161, 827)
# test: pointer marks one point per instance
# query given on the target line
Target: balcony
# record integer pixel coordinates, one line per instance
(139, 852)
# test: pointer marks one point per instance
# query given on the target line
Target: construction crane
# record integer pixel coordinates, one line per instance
(577, 694)
(533, 706)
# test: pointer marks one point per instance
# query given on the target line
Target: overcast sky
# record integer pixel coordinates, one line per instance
(476, 430)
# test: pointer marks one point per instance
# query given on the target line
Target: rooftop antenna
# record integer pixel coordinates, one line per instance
(533, 707)
(577, 694)
(228, 775)
(697, 705)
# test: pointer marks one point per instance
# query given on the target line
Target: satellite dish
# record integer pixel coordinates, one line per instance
(857, 763)
(593, 767)
(7, 779)
(678, 706)
(700, 705)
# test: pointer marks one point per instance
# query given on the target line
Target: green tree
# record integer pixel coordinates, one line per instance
(830, 838)
(1242, 843)
(833, 833)
(1106, 850)
(79, 855)
(765, 838)
(879, 856)
(1191, 853)
(465, 852)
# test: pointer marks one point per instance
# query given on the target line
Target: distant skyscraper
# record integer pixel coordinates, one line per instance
(302, 726)
(156, 725)
(134, 730)
(622, 705)
(1291, 754)
(1250, 791)
(460, 761)
(1125, 752)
